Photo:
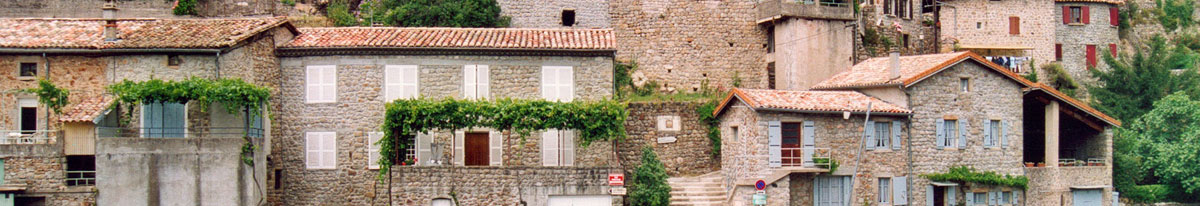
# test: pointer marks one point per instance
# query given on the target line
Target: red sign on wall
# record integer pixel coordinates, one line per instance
(616, 179)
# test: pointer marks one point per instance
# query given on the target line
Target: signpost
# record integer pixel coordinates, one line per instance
(618, 190)
(760, 196)
(616, 179)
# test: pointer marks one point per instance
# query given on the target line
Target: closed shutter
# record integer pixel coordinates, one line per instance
(870, 130)
(1114, 16)
(774, 144)
(900, 190)
(962, 133)
(970, 197)
(1057, 52)
(808, 139)
(320, 150)
(558, 83)
(929, 195)
(424, 150)
(896, 134)
(482, 82)
(1091, 56)
(568, 148)
(151, 120)
(321, 84)
(941, 133)
(1066, 11)
(400, 81)
(459, 153)
(173, 122)
(1004, 134)
(497, 148)
(312, 151)
(549, 83)
(1112, 49)
(1086, 15)
(373, 149)
(1014, 25)
(550, 148)
(951, 192)
(469, 82)
(987, 133)
(329, 150)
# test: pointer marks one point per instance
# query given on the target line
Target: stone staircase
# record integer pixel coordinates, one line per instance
(705, 189)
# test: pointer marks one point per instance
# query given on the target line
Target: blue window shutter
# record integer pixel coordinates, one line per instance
(808, 140)
(970, 197)
(987, 133)
(152, 124)
(941, 133)
(774, 144)
(173, 121)
(896, 134)
(1004, 133)
(950, 193)
(900, 190)
(870, 130)
(962, 133)
(929, 195)
(1016, 197)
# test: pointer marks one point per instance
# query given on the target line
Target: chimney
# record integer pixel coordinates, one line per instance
(110, 21)
(894, 68)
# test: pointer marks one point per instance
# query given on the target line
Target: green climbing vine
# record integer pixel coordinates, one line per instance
(592, 120)
(705, 112)
(968, 174)
(50, 95)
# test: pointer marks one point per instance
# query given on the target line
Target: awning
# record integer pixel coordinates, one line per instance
(944, 184)
(995, 47)
(87, 109)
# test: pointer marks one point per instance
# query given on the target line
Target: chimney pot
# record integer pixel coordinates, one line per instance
(894, 68)
(109, 11)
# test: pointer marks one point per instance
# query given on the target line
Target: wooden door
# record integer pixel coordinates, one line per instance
(476, 149)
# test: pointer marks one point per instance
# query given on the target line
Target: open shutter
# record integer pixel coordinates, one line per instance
(1016, 197)
(950, 193)
(962, 133)
(899, 190)
(550, 148)
(896, 134)
(808, 139)
(847, 191)
(424, 150)
(929, 195)
(469, 82)
(1004, 134)
(482, 82)
(774, 144)
(496, 145)
(1066, 15)
(869, 129)
(373, 149)
(568, 148)
(941, 134)
(970, 197)
(312, 153)
(1085, 15)
(458, 147)
(1114, 17)
(549, 84)
(987, 133)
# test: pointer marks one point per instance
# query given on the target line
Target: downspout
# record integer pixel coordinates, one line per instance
(858, 157)
(46, 65)
(217, 62)
(909, 185)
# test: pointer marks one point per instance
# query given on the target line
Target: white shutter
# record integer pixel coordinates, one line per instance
(896, 134)
(970, 197)
(950, 193)
(1004, 133)
(458, 147)
(1016, 197)
(423, 148)
(900, 190)
(566, 84)
(941, 133)
(962, 133)
(412, 82)
(549, 87)
(329, 150)
(373, 149)
(469, 82)
(987, 133)
(400, 81)
(550, 148)
(320, 84)
(496, 143)
(312, 153)
(568, 148)
(482, 82)
(869, 129)
(774, 144)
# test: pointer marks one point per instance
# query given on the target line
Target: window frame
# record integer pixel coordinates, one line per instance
(885, 191)
(964, 84)
(950, 127)
(312, 72)
(1076, 14)
(405, 73)
(145, 133)
(320, 151)
(173, 61)
(561, 88)
(21, 69)
(980, 201)
(996, 127)
(883, 134)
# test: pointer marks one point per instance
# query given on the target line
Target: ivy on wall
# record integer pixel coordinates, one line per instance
(50, 95)
(968, 174)
(593, 120)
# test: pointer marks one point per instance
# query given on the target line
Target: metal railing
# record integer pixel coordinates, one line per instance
(1071, 162)
(832, 3)
(806, 157)
(79, 178)
(175, 132)
(28, 136)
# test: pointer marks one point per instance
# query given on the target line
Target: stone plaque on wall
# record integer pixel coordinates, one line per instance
(669, 123)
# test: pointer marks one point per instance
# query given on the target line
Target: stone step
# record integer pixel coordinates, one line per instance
(698, 193)
(696, 184)
(696, 199)
(700, 203)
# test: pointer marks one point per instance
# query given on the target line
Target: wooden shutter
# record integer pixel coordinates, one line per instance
(312, 153)
(568, 148)
(151, 120)
(400, 81)
(424, 150)
(896, 134)
(1066, 14)
(987, 133)
(1114, 16)
(774, 144)
(951, 192)
(1057, 52)
(1112, 49)
(941, 134)
(970, 197)
(1014, 25)
(900, 190)
(870, 130)
(1016, 197)
(929, 195)
(321, 84)
(469, 82)
(373, 149)
(962, 133)
(1085, 15)
(1091, 56)
(558, 83)
(320, 150)
(566, 81)
(173, 122)
(459, 153)
(549, 84)
(329, 150)
(550, 148)
(808, 140)
(1004, 134)
(482, 82)
(496, 145)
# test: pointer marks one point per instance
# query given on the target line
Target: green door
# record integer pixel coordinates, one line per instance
(6, 199)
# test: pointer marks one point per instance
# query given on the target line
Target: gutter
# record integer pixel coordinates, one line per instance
(316, 51)
(832, 112)
(103, 51)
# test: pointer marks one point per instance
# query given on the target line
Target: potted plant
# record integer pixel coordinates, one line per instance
(1041, 164)
(1029, 164)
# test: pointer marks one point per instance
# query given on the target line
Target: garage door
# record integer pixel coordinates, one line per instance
(580, 200)
(1088, 197)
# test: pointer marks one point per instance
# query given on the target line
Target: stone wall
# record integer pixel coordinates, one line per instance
(922, 36)
(1074, 39)
(690, 154)
(548, 14)
(1053, 185)
(83, 76)
(135, 8)
(42, 170)
(494, 185)
(682, 43)
(986, 23)
(992, 96)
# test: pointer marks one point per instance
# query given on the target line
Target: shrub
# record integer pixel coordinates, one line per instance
(1175, 14)
(649, 186)
(185, 7)
(1147, 193)
(440, 13)
(339, 12)
(288, 2)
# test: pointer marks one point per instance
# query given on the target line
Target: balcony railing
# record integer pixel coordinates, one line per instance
(1069, 162)
(817, 9)
(79, 178)
(806, 157)
(28, 136)
(189, 132)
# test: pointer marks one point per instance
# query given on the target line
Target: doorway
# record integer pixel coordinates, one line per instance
(939, 196)
(476, 147)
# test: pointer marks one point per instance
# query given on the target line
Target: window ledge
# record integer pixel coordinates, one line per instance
(27, 78)
(1076, 24)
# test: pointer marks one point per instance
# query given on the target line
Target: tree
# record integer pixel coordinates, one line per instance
(649, 186)
(1130, 86)
(339, 12)
(1175, 14)
(1170, 137)
(436, 13)
(184, 7)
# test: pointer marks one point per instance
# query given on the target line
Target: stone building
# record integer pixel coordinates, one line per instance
(557, 13)
(137, 8)
(910, 26)
(339, 79)
(1018, 31)
(97, 152)
(1088, 30)
(806, 41)
(941, 111)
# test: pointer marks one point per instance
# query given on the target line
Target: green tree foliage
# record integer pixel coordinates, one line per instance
(1130, 86)
(1060, 79)
(968, 174)
(705, 111)
(649, 186)
(185, 7)
(339, 12)
(1170, 136)
(439, 13)
(1175, 14)
(50, 95)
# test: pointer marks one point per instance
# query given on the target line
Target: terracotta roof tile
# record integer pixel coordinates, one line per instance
(133, 33)
(427, 37)
(1091, 1)
(1075, 103)
(815, 101)
(876, 71)
(86, 109)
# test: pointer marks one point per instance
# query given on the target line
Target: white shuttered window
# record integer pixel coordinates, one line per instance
(476, 82)
(558, 83)
(373, 150)
(320, 84)
(558, 148)
(400, 82)
(320, 150)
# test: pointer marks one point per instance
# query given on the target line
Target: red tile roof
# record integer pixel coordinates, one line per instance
(133, 33)
(1091, 1)
(874, 72)
(811, 101)
(1075, 103)
(488, 38)
(87, 109)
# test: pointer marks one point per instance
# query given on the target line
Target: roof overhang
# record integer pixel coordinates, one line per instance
(1089, 187)
(1077, 109)
(85, 51)
(327, 51)
(943, 184)
(994, 47)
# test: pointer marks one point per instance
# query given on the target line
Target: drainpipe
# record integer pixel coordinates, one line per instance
(909, 185)
(46, 64)
(217, 62)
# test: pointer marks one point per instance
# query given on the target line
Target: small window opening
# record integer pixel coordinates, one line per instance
(568, 17)
(173, 60)
(81, 170)
(965, 84)
(771, 75)
(770, 40)
(28, 69)
(278, 178)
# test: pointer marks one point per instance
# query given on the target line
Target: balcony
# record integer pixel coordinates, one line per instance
(188, 132)
(80, 178)
(810, 9)
(29, 137)
(806, 157)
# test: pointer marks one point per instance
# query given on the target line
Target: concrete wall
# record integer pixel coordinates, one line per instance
(690, 154)
(493, 185)
(808, 51)
(985, 22)
(548, 14)
(993, 96)
(172, 171)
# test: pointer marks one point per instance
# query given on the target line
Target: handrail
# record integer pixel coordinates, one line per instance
(177, 132)
(806, 157)
(27, 136)
(77, 178)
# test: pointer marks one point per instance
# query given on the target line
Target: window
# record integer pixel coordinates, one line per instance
(278, 178)
(568, 17)
(887, 7)
(1014, 25)
(1058, 52)
(1076, 15)
(28, 69)
(885, 195)
(28, 122)
(164, 119)
(173, 60)
(373, 149)
(906, 40)
(735, 133)
(400, 82)
(980, 198)
(1091, 56)
(978, 25)
(475, 82)
(558, 83)
(1114, 17)
(927, 6)
(771, 39)
(883, 135)
(320, 150)
(321, 84)
(994, 132)
(950, 129)
(558, 148)
(1006, 198)
(965, 84)
(831, 190)
(81, 170)
(771, 75)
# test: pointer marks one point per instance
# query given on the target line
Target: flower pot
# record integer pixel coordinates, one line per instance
(1029, 164)
(1041, 164)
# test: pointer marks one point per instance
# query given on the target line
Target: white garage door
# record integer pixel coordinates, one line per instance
(1090, 197)
(580, 200)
